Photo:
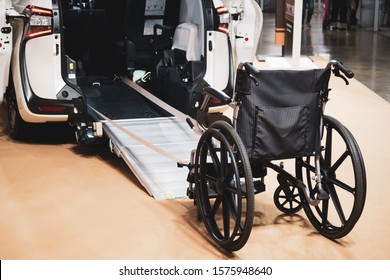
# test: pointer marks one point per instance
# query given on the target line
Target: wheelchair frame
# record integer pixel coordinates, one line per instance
(224, 179)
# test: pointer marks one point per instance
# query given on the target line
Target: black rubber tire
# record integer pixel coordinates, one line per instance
(18, 128)
(224, 186)
(335, 217)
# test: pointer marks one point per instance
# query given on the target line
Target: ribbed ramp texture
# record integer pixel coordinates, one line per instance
(158, 174)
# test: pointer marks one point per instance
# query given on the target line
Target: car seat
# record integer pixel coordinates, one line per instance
(148, 30)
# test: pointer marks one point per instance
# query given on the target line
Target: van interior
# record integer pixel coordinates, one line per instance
(159, 44)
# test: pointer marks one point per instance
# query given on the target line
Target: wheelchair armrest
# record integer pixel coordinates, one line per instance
(217, 94)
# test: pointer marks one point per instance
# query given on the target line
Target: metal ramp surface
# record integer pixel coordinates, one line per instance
(158, 174)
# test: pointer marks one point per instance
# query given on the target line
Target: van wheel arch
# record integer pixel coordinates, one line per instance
(17, 127)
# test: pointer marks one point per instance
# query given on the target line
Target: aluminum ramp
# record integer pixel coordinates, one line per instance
(158, 174)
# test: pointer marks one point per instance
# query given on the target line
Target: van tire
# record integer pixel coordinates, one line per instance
(18, 128)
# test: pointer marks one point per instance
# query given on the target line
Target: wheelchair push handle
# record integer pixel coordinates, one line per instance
(250, 68)
(339, 66)
(347, 72)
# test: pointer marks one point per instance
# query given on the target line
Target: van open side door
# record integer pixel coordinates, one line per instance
(5, 46)
(245, 29)
(235, 41)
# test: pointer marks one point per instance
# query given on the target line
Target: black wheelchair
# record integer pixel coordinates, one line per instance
(277, 115)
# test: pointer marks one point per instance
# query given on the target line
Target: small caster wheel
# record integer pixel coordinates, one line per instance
(287, 199)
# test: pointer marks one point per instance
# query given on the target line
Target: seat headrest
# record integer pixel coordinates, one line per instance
(186, 39)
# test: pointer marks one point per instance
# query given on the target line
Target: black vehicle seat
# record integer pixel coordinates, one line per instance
(181, 68)
(183, 60)
(142, 39)
(185, 39)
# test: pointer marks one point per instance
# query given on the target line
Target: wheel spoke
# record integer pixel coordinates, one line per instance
(338, 163)
(231, 189)
(211, 178)
(239, 227)
(226, 217)
(216, 205)
(224, 161)
(336, 203)
(214, 156)
(284, 202)
(229, 174)
(297, 201)
(324, 212)
(342, 185)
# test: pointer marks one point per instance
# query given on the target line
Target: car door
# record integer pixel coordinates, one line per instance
(42, 50)
(235, 40)
(245, 29)
(5, 46)
(218, 51)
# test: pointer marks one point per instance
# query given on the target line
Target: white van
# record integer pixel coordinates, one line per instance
(59, 58)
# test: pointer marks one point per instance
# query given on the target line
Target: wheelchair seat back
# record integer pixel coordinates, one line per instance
(280, 112)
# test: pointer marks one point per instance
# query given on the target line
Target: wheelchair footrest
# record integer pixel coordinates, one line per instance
(323, 195)
(259, 186)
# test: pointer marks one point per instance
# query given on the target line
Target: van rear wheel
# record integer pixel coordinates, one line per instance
(16, 125)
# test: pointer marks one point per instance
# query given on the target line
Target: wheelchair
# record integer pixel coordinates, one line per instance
(277, 115)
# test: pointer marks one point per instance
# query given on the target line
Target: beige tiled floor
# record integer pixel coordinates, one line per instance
(61, 201)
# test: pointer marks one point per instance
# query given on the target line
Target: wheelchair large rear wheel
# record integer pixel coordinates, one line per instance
(343, 177)
(224, 186)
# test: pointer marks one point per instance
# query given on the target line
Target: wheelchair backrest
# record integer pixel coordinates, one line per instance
(280, 112)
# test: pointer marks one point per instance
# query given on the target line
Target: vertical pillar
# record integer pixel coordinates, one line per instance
(376, 16)
(280, 23)
(293, 16)
(297, 37)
